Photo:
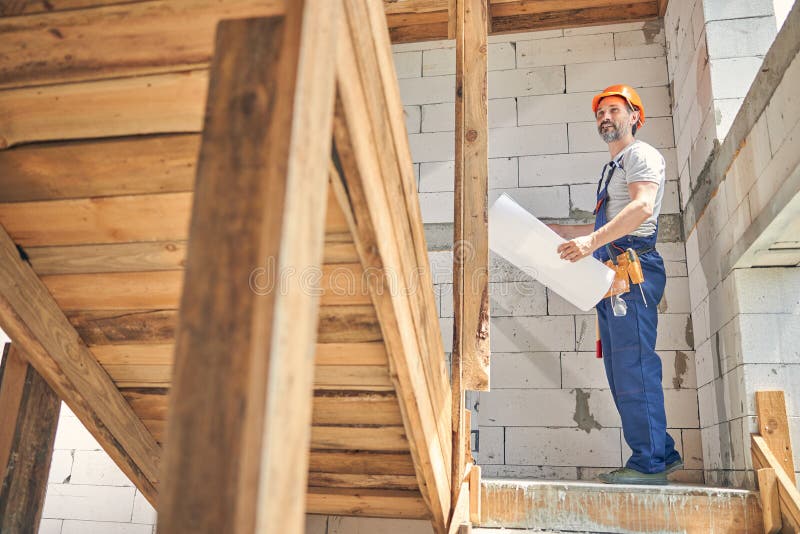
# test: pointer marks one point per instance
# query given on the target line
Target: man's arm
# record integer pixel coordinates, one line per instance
(638, 210)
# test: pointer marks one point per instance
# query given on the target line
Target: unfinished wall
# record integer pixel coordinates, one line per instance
(550, 413)
(742, 215)
(715, 48)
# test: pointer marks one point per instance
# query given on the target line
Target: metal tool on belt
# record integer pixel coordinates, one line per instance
(627, 270)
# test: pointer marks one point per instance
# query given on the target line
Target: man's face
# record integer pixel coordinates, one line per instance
(614, 118)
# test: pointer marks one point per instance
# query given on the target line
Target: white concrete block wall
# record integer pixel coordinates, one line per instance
(86, 492)
(746, 319)
(714, 48)
(550, 413)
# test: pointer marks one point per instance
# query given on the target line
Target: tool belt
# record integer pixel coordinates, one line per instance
(627, 269)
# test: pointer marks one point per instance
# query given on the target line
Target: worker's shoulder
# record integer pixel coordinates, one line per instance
(645, 152)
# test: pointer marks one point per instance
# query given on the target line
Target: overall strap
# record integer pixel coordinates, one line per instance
(602, 185)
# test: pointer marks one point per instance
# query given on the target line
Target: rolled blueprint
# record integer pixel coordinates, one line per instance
(530, 245)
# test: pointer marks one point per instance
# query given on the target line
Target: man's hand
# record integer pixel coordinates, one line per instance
(578, 248)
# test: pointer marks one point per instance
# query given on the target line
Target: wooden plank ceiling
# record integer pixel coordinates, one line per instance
(73, 40)
(425, 20)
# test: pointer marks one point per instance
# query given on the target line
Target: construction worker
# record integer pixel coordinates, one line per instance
(626, 216)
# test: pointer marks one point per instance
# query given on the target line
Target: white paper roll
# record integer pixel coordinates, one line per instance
(530, 245)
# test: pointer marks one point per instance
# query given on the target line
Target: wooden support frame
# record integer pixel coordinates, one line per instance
(470, 356)
(29, 411)
(41, 331)
(772, 461)
(471, 236)
(373, 163)
(239, 424)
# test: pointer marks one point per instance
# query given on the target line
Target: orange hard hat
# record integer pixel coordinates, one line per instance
(625, 91)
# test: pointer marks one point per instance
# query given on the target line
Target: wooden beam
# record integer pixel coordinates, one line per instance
(379, 190)
(788, 495)
(99, 168)
(106, 220)
(239, 425)
(471, 249)
(28, 418)
(475, 494)
(343, 285)
(33, 320)
(459, 517)
(367, 502)
(571, 18)
(770, 501)
(404, 187)
(773, 426)
(470, 356)
(662, 7)
(117, 40)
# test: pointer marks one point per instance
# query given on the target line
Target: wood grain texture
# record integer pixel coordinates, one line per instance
(30, 316)
(116, 40)
(362, 438)
(470, 356)
(338, 285)
(507, 8)
(12, 386)
(424, 306)
(140, 256)
(361, 462)
(367, 503)
(770, 500)
(388, 482)
(156, 104)
(470, 364)
(773, 426)
(261, 192)
(382, 236)
(99, 168)
(347, 408)
(788, 495)
(26, 7)
(23, 479)
(117, 219)
(572, 18)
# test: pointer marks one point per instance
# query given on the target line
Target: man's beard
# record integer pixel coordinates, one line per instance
(616, 133)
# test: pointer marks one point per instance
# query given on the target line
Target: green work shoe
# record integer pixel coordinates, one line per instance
(631, 476)
(677, 465)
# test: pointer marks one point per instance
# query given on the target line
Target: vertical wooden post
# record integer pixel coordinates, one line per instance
(475, 494)
(773, 425)
(470, 358)
(29, 411)
(770, 503)
(236, 457)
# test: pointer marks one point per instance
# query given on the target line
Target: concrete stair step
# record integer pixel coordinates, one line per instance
(601, 508)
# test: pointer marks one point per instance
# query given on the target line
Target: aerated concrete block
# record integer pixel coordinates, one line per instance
(526, 82)
(565, 50)
(408, 64)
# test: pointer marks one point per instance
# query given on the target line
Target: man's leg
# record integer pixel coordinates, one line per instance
(637, 374)
(640, 399)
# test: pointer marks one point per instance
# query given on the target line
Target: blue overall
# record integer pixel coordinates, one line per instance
(632, 366)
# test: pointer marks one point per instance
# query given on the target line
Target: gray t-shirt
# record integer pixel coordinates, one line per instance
(640, 163)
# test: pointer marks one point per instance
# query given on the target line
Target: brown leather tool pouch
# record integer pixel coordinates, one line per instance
(621, 283)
